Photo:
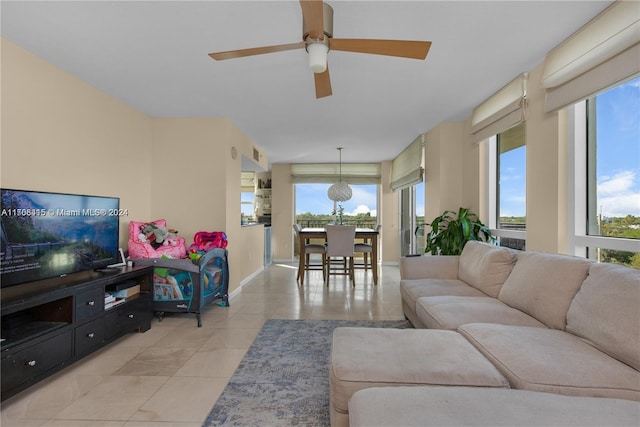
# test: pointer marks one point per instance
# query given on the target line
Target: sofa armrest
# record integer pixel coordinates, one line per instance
(429, 267)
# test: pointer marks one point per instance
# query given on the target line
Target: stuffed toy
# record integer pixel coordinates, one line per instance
(155, 234)
(170, 241)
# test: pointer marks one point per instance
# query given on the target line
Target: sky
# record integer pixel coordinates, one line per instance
(513, 183)
(618, 145)
(313, 198)
(618, 167)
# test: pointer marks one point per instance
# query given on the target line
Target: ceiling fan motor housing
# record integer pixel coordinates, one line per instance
(327, 23)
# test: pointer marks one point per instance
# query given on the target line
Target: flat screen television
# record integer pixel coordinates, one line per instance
(47, 235)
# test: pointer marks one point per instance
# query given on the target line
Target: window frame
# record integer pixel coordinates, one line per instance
(492, 194)
(579, 240)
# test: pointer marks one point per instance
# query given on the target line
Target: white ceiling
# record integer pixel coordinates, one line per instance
(152, 55)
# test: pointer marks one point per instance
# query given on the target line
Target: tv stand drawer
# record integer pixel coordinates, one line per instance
(133, 315)
(88, 337)
(26, 365)
(89, 303)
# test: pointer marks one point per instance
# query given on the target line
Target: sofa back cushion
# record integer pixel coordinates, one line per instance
(606, 311)
(485, 266)
(543, 285)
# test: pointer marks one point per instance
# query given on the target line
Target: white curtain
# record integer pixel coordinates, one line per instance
(408, 167)
(601, 54)
(352, 173)
(501, 111)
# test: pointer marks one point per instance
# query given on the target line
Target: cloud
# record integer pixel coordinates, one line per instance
(619, 195)
(362, 209)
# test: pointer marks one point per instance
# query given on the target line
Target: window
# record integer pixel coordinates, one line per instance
(607, 182)
(508, 217)
(247, 197)
(413, 239)
(314, 208)
(246, 206)
(613, 165)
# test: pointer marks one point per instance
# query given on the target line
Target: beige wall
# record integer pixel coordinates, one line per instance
(60, 134)
(444, 168)
(282, 212)
(196, 186)
(456, 171)
(187, 174)
(546, 172)
(389, 217)
(472, 172)
(246, 244)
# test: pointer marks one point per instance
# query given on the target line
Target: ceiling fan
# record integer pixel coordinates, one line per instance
(317, 39)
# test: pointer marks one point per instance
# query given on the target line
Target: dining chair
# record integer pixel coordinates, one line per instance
(340, 244)
(310, 248)
(366, 249)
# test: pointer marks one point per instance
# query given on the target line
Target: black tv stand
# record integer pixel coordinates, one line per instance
(108, 270)
(49, 324)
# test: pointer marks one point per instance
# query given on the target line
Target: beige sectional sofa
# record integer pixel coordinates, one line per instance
(547, 323)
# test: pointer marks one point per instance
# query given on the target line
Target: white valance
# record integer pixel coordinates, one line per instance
(408, 167)
(501, 111)
(602, 53)
(320, 173)
(247, 182)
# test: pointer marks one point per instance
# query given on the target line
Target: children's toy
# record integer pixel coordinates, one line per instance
(144, 236)
(204, 241)
(184, 286)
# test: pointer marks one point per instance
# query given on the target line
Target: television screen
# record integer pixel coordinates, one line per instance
(46, 235)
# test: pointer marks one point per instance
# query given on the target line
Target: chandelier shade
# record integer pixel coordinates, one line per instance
(340, 191)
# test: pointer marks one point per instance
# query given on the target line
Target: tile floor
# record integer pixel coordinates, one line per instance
(171, 375)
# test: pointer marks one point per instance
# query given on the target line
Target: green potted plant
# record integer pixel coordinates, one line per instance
(450, 231)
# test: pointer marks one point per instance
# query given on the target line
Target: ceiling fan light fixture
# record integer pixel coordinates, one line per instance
(318, 57)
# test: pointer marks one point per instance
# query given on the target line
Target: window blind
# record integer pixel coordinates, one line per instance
(408, 167)
(247, 182)
(319, 173)
(602, 53)
(501, 111)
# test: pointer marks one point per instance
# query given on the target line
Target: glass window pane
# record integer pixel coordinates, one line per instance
(246, 205)
(631, 259)
(614, 162)
(511, 179)
(313, 207)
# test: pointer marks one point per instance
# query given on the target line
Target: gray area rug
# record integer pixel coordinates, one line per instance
(283, 379)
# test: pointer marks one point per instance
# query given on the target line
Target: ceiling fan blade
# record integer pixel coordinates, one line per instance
(312, 18)
(230, 54)
(401, 48)
(323, 83)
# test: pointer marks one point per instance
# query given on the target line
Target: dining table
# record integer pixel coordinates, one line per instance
(366, 234)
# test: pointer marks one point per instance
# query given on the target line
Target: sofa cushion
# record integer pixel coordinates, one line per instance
(543, 285)
(429, 267)
(450, 312)
(553, 361)
(370, 357)
(411, 290)
(485, 266)
(469, 406)
(606, 311)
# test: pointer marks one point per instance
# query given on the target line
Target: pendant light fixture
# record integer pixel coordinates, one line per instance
(340, 191)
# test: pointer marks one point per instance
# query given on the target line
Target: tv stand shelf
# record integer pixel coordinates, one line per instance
(49, 324)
